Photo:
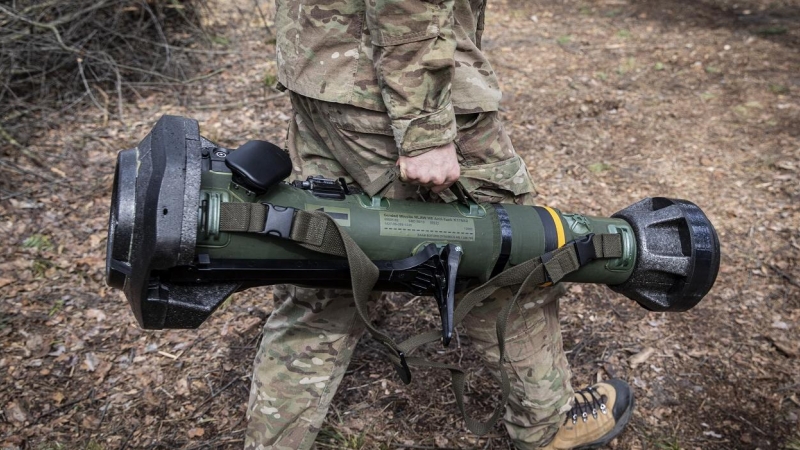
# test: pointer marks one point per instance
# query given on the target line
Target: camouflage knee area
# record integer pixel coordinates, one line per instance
(308, 342)
(534, 360)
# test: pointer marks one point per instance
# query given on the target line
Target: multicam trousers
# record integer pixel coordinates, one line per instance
(309, 339)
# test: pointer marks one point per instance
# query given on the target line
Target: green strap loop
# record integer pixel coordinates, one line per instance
(242, 217)
(380, 185)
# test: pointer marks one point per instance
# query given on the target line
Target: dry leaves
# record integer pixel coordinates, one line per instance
(641, 357)
(603, 121)
(16, 414)
(195, 433)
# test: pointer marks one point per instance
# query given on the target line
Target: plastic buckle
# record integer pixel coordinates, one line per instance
(279, 221)
(584, 252)
(402, 369)
(584, 249)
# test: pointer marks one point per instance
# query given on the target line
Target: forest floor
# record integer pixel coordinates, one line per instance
(608, 101)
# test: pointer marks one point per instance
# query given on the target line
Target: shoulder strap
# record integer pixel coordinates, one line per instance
(534, 272)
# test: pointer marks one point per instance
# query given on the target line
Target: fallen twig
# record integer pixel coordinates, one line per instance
(785, 276)
(128, 438)
(427, 447)
(270, 35)
(59, 51)
(24, 171)
(215, 394)
(239, 105)
(62, 407)
(4, 134)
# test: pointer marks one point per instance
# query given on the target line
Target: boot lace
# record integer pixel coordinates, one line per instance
(587, 399)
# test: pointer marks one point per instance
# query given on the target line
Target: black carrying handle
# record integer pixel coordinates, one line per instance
(379, 187)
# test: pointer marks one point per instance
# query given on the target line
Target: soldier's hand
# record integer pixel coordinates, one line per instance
(436, 169)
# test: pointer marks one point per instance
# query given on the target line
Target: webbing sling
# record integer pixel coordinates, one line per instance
(319, 232)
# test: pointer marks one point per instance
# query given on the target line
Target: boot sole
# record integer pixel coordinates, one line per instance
(623, 421)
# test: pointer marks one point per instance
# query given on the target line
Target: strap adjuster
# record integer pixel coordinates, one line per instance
(402, 369)
(584, 249)
(584, 253)
(279, 221)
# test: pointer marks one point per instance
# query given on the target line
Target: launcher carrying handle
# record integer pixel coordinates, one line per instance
(378, 187)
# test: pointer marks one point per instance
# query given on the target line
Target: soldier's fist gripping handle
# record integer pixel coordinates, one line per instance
(436, 169)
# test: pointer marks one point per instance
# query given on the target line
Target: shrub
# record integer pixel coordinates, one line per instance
(53, 52)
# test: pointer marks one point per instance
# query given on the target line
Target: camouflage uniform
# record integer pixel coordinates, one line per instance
(370, 81)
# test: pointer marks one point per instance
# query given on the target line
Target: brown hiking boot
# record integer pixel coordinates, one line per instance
(599, 414)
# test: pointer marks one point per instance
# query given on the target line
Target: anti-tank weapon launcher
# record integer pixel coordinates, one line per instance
(192, 222)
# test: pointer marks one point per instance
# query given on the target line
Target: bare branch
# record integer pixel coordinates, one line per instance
(55, 52)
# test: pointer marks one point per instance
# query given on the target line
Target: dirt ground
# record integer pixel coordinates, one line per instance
(609, 101)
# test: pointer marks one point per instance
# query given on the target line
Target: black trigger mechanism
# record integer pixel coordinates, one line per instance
(433, 270)
(445, 291)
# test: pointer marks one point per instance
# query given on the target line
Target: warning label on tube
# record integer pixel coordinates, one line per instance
(427, 227)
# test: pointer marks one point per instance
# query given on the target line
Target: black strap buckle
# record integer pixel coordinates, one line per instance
(279, 221)
(584, 249)
(402, 369)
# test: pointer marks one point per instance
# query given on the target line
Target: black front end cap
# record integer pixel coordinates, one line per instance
(679, 254)
(153, 227)
(120, 220)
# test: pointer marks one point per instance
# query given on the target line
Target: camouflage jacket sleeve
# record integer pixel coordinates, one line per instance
(414, 46)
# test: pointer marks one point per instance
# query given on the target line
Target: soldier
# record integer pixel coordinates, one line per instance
(378, 83)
